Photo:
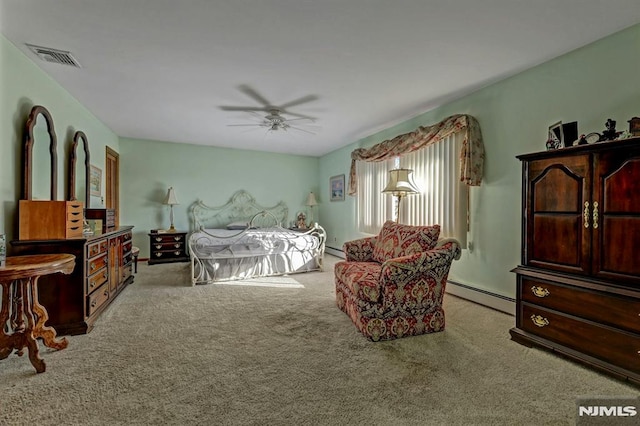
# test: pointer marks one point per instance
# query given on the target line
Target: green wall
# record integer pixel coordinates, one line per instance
(149, 168)
(22, 85)
(589, 85)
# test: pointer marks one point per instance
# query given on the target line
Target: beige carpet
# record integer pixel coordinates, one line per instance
(169, 353)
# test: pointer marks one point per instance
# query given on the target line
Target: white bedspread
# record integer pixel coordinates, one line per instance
(221, 254)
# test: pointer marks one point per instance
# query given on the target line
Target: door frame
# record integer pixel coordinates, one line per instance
(112, 166)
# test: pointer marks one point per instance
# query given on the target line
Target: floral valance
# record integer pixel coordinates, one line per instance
(471, 154)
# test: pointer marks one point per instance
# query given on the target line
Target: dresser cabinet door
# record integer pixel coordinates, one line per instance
(616, 219)
(558, 230)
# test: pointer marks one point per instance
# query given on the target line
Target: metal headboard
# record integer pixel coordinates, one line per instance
(242, 207)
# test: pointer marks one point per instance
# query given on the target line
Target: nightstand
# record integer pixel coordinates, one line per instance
(167, 247)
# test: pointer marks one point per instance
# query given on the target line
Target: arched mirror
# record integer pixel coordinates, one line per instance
(40, 156)
(79, 162)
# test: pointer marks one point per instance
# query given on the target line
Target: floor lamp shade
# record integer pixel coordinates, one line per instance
(171, 200)
(400, 185)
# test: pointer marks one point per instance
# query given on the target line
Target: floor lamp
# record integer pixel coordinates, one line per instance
(400, 185)
(171, 201)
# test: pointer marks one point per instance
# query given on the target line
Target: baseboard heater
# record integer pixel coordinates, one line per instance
(483, 297)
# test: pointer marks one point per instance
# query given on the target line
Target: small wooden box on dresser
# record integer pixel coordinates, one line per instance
(167, 247)
(578, 287)
(103, 269)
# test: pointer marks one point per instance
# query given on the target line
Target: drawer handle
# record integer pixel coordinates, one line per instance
(176, 245)
(158, 246)
(177, 253)
(585, 214)
(595, 215)
(158, 254)
(93, 266)
(539, 320)
(158, 239)
(539, 291)
(177, 238)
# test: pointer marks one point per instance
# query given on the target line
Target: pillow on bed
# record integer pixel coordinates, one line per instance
(237, 226)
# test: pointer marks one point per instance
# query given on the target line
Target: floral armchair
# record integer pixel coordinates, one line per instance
(392, 285)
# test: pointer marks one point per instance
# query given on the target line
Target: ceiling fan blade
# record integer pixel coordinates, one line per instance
(302, 100)
(252, 93)
(302, 130)
(240, 108)
(300, 118)
(308, 117)
(245, 125)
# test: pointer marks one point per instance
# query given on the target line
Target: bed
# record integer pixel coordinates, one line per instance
(242, 240)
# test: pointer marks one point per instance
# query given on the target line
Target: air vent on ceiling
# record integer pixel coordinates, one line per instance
(54, 55)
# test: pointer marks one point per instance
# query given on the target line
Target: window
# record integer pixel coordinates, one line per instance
(442, 200)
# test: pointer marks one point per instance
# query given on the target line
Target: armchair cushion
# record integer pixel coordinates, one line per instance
(396, 240)
(361, 278)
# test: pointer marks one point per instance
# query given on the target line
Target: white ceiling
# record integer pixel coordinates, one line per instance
(162, 69)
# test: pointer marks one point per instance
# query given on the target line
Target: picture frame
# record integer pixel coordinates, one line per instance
(95, 181)
(336, 188)
(556, 135)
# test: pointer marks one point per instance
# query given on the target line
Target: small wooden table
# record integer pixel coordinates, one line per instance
(19, 280)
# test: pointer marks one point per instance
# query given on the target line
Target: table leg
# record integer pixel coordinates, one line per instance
(46, 333)
(6, 345)
(29, 339)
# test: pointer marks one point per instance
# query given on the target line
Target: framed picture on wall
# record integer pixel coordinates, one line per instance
(336, 187)
(95, 181)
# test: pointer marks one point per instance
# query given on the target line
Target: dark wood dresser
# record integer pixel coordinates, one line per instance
(167, 247)
(578, 287)
(103, 269)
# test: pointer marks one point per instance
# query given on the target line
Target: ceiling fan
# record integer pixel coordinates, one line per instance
(274, 120)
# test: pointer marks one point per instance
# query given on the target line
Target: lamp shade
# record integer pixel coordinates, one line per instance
(171, 199)
(311, 200)
(401, 182)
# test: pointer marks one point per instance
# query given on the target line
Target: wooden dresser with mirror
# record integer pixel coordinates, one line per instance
(47, 225)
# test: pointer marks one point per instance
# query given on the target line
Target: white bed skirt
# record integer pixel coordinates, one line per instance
(240, 268)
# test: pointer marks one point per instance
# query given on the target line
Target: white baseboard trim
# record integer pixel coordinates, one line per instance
(334, 251)
(482, 297)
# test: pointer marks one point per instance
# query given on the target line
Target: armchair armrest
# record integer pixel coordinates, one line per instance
(418, 280)
(360, 250)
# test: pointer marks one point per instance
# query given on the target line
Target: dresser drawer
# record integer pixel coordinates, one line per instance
(96, 299)
(74, 228)
(97, 279)
(590, 304)
(75, 209)
(95, 264)
(167, 246)
(608, 344)
(168, 254)
(126, 272)
(167, 238)
(96, 248)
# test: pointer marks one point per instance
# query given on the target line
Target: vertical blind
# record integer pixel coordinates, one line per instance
(373, 207)
(443, 198)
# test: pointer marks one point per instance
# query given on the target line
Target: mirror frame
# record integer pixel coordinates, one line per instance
(79, 135)
(28, 153)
